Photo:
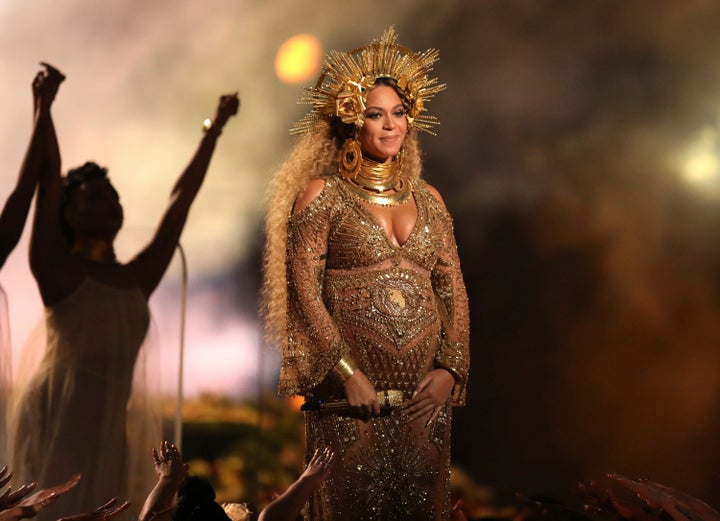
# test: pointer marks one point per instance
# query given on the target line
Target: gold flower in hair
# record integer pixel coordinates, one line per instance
(341, 91)
(350, 104)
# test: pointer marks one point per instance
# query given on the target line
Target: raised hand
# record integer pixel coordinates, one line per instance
(108, 511)
(169, 463)
(171, 472)
(318, 468)
(228, 106)
(10, 498)
(45, 86)
(680, 506)
(15, 506)
(289, 504)
(5, 476)
(32, 505)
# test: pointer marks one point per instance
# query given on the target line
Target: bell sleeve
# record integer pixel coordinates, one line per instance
(453, 352)
(313, 344)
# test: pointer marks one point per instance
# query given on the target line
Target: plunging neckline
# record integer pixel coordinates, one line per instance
(377, 224)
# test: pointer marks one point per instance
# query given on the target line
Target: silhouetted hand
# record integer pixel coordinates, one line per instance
(34, 504)
(604, 503)
(105, 512)
(9, 498)
(5, 476)
(680, 506)
(227, 107)
(45, 86)
(15, 505)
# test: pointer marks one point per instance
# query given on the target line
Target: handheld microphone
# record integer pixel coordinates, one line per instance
(388, 400)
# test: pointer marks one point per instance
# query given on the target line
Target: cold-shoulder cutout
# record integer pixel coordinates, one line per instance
(312, 189)
(435, 193)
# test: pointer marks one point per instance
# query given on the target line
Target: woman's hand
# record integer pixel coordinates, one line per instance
(678, 505)
(361, 394)
(5, 476)
(431, 394)
(10, 498)
(104, 513)
(169, 463)
(45, 86)
(318, 468)
(34, 504)
(171, 472)
(227, 106)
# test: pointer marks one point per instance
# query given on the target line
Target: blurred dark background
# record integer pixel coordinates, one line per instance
(586, 208)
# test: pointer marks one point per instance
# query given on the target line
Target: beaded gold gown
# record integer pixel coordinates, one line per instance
(399, 312)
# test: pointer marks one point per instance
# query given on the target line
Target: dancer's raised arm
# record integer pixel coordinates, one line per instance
(14, 213)
(50, 259)
(151, 263)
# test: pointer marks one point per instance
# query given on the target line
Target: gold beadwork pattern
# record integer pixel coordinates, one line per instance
(398, 312)
(334, 241)
(341, 91)
(395, 470)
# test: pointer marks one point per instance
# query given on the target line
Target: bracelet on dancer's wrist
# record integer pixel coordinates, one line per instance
(211, 129)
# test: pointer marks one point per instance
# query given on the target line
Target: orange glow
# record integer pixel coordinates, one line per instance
(296, 402)
(298, 58)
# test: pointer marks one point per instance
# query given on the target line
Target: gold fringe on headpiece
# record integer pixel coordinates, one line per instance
(346, 78)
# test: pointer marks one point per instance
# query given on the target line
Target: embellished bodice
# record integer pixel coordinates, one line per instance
(398, 310)
(358, 240)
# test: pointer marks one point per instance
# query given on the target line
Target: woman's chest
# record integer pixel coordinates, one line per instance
(360, 236)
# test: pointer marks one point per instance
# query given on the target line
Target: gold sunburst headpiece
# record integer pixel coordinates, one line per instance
(341, 91)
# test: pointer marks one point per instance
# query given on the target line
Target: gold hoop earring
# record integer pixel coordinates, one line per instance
(350, 158)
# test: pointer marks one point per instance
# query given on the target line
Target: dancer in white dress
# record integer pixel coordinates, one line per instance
(72, 416)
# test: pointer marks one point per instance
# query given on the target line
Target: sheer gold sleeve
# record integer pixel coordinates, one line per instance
(314, 345)
(454, 351)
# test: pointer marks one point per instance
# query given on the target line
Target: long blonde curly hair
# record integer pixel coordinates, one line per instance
(314, 155)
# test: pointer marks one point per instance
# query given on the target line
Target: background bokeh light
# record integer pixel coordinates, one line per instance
(298, 59)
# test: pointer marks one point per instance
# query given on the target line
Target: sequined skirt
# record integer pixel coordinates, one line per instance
(387, 468)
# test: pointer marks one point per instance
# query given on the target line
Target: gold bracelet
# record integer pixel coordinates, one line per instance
(344, 369)
(210, 128)
(452, 372)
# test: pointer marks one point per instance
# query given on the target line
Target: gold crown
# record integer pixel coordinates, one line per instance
(346, 78)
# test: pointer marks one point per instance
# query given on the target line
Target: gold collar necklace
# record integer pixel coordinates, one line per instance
(379, 183)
